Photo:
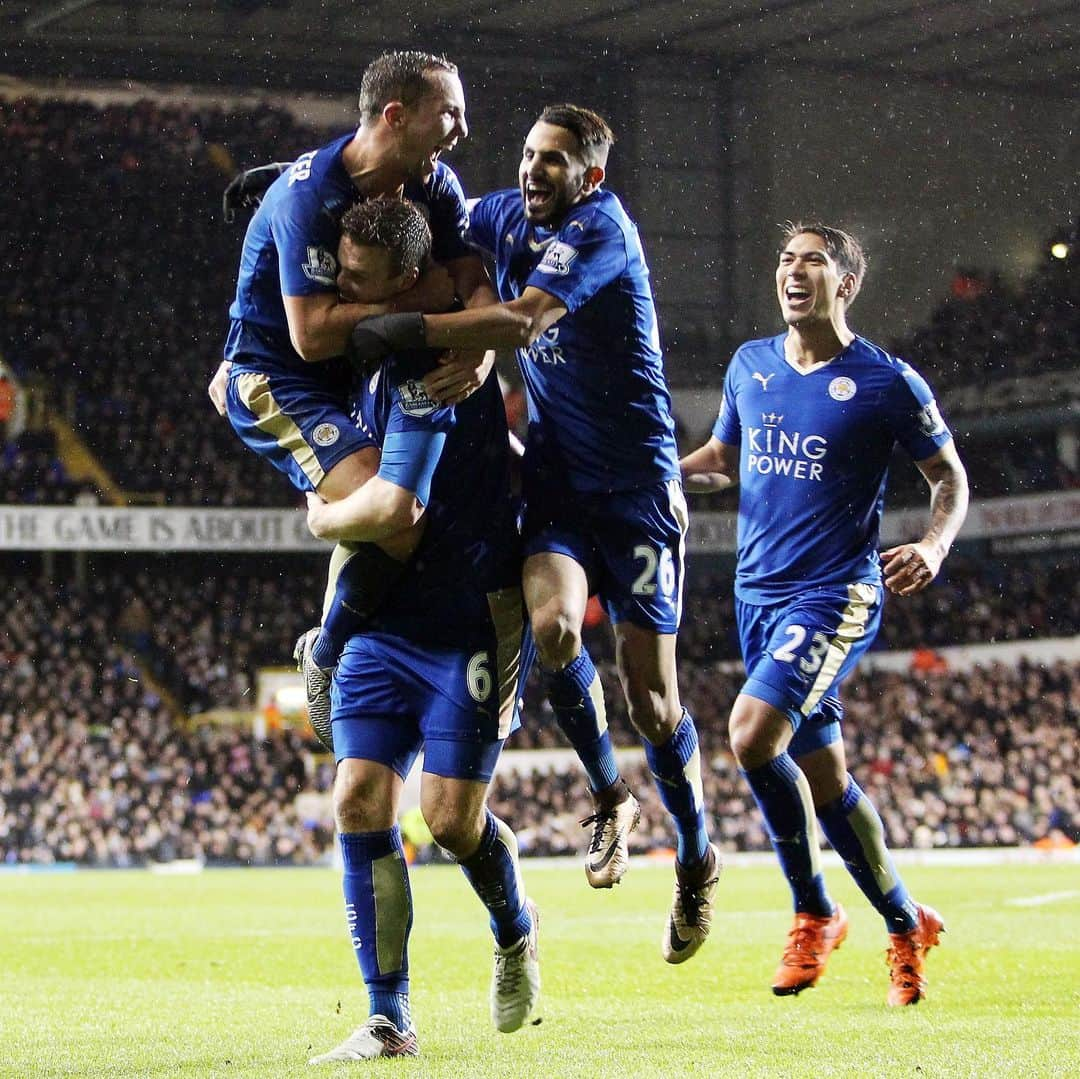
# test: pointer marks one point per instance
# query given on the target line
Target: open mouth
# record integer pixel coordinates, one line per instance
(538, 196)
(796, 296)
(442, 148)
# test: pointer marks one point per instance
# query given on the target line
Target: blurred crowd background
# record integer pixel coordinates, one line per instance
(115, 673)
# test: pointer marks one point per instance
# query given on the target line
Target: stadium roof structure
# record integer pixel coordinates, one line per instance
(1025, 47)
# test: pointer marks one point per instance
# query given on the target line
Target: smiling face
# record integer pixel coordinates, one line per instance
(553, 175)
(810, 286)
(433, 124)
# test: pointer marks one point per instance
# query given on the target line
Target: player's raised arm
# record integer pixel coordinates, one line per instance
(712, 467)
(909, 567)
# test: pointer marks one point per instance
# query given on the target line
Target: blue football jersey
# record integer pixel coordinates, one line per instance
(814, 452)
(470, 546)
(599, 407)
(290, 249)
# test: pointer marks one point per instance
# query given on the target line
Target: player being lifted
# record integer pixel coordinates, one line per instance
(284, 383)
(807, 424)
(440, 666)
(604, 506)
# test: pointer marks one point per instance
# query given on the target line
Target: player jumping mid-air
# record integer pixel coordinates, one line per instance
(284, 382)
(604, 508)
(807, 424)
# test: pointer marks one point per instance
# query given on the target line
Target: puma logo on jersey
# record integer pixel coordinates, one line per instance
(764, 379)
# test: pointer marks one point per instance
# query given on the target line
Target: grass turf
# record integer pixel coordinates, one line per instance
(247, 973)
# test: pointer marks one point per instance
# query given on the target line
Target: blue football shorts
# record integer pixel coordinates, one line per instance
(297, 421)
(631, 544)
(798, 653)
(391, 697)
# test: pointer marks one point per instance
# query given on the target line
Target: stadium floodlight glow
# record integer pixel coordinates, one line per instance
(1059, 250)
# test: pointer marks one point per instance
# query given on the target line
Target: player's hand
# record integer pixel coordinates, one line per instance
(216, 389)
(910, 567)
(247, 188)
(317, 516)
(459, 375)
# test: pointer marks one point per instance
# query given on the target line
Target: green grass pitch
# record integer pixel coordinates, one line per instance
(247, 973)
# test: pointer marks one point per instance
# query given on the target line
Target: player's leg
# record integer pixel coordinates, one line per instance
(376, 745)
(646, 662)
(640, 540)
(855, 830)
(297, 422)
(359, 573)
(486, 849)
(378, 908)
(852, 825)
(760, 734)
(464, 723)
(556, 592)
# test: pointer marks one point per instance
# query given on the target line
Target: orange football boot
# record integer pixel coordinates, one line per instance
(906, 957)
(809, 944)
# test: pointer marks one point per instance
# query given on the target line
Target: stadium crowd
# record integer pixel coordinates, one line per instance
(101, 771)
(97, 770)
(137, 325)
(986, 757)
(113, 212)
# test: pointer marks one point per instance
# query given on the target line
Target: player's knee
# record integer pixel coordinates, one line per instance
(752, 743)
(360, 804)
(557, 634)
(653, 717)
(452, 828)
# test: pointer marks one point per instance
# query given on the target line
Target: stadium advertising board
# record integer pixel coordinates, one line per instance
(142, 528)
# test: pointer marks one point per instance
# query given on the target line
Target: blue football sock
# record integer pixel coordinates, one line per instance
(676, 767)
(783, 796)
(378, 906)
(577, 699)
(852, 825)
(341, 620)
(492, 870)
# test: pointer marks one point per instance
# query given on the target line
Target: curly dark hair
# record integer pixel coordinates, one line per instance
(394, 224)
(399, 76)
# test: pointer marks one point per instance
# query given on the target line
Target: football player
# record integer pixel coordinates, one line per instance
(807, 425)
(284, 383)
(604, 508)
(439, 666)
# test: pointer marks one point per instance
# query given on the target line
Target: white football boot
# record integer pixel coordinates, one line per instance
(376, 1037)
(515, 984)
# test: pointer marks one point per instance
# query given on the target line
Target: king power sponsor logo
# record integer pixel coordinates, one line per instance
(772, 451)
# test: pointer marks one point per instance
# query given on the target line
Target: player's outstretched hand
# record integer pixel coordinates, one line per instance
(217, 386)
(910, 567)
(247, 188)
(459, 375)
(373, 339)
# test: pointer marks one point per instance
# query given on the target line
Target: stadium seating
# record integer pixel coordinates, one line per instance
(114, 212)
